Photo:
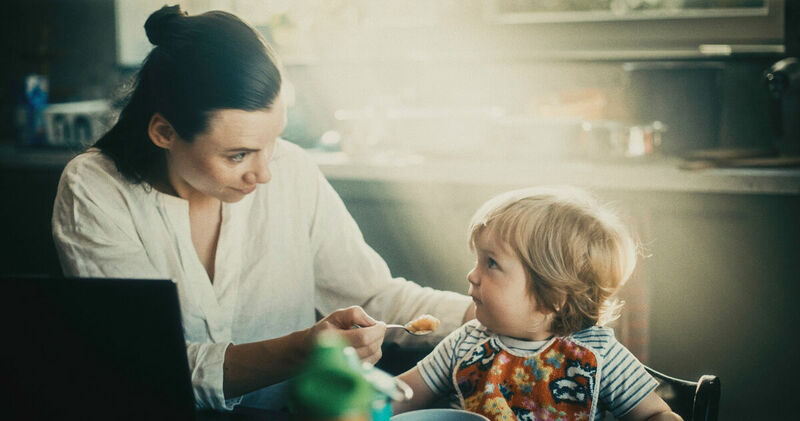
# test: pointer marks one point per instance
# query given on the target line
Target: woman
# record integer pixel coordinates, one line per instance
(194, 184)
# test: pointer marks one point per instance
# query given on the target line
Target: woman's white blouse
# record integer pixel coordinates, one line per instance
(283, 251)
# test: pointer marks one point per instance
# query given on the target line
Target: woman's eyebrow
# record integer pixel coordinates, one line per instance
(242, 150)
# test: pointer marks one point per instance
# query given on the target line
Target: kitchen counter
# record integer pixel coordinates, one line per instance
(652, 174)
(12, 157)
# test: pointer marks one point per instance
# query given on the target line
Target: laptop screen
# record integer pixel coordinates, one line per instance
(93, 349)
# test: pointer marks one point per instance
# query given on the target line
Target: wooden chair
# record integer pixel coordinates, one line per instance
(694, 401)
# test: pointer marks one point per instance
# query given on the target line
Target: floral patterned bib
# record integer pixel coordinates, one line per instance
(557, 383)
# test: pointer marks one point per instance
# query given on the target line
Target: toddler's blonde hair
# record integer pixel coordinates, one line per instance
(577, 252)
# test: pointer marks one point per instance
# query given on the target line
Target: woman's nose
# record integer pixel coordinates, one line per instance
(264, 175)
(260, 172)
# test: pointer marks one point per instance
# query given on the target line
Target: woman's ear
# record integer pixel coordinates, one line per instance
(161, 132)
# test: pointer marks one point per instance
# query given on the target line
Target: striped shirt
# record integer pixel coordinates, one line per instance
(623, 384)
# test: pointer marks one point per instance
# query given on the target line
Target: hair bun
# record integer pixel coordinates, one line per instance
(159, 25)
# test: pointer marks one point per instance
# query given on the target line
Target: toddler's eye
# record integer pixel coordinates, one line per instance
(491, 263)
(239, 157)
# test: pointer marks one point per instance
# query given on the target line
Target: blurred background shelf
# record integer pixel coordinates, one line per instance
(652, 173)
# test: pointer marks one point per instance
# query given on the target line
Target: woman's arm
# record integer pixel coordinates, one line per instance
(348, 271)
(651, 408)
(248, 367)
(423, 396)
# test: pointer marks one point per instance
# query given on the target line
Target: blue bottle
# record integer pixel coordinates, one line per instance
(30, 111)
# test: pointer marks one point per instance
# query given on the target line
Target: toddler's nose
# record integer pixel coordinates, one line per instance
(472, 277)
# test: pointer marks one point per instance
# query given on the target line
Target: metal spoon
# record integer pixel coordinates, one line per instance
(413, 332)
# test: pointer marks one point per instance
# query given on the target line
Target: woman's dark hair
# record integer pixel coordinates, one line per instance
(199, 64)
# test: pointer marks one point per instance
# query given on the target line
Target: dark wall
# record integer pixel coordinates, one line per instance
(26, 245)
(71, 41)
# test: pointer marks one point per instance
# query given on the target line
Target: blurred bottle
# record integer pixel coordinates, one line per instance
(387, 389)
(332, 386)
(30, 110)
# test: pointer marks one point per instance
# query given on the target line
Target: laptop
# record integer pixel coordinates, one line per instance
(93, 349)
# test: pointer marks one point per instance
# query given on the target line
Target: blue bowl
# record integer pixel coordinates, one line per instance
(439, 414)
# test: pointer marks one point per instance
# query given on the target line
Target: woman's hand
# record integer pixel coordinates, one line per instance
(367, 340)
(251, 366)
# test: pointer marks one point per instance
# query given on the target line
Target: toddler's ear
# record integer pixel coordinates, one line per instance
(561, 303)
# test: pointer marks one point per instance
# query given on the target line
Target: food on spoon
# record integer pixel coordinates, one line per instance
(424, 323)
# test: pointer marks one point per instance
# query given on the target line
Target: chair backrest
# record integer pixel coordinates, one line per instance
(693, 401)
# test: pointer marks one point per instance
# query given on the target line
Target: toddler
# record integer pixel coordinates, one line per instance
(548, 262)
